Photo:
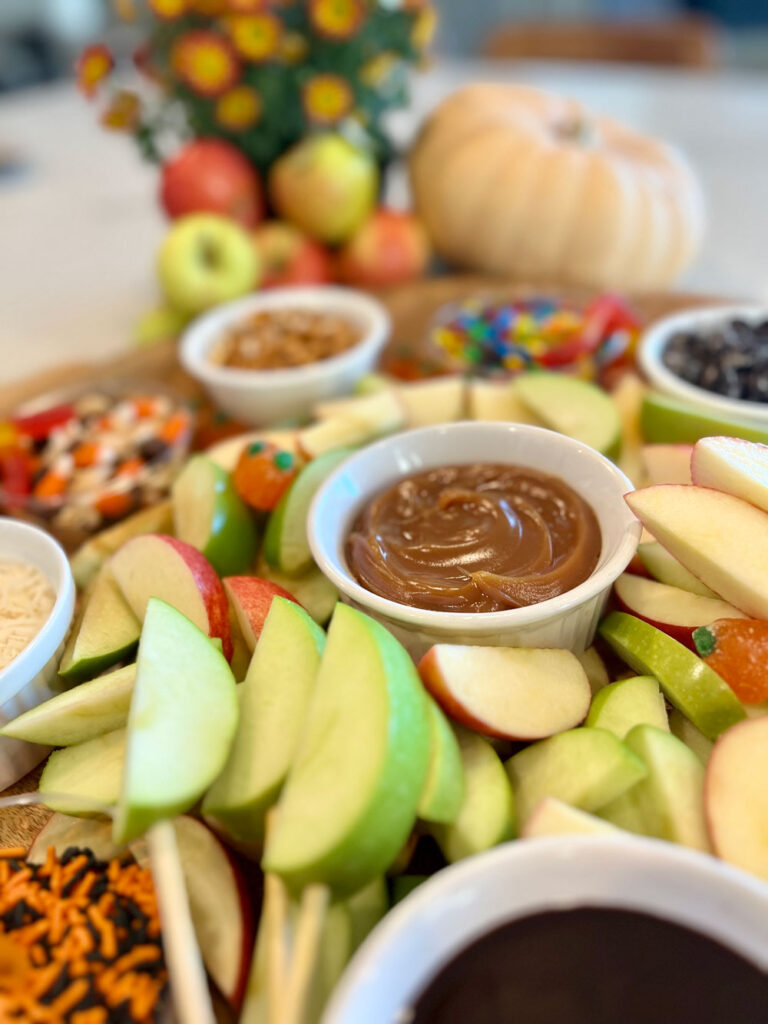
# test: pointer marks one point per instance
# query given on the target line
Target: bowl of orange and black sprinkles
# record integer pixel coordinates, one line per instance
(80, 940)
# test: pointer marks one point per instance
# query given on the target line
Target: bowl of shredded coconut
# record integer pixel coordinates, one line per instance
(37, 599)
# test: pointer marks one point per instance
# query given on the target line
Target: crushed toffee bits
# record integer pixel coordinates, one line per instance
(79, 941)
(278, 339)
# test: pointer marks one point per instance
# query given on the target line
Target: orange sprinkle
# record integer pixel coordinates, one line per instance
(70, 997)
(13, 853)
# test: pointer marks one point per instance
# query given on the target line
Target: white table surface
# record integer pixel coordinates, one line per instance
(79, 230)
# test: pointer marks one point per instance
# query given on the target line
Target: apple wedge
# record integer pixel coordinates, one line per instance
(509, 693)
(628, 396)
(586, 768)
(155, 565)
(667, 420)
(251, 598)
(433, 401)
(576, 408)
(443, 792)
(273, 705)
(721, 539)
(551, 817)
(621, 706)
(91, 555)
(105, 631)
(670, 609)
(487, 815)
(88, 710)
(494, 400)
(686, 731)
(351, 796)
(85, 778)
(594, 666)
(365, 419)
(667, 463)
(64, 830)
(665, 568)
(736, 796)
(313, 591)
(687, 682)
(181, 724)
(737, 467)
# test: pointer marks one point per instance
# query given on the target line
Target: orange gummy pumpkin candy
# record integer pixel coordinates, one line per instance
(737, 649)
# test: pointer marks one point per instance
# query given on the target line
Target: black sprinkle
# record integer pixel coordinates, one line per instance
(730, 359)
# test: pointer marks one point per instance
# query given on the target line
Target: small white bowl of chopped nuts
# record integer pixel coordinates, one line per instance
(270, 357)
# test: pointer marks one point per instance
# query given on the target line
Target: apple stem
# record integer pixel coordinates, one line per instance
(309, 927)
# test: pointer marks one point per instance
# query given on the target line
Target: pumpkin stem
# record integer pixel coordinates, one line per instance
(577, 129)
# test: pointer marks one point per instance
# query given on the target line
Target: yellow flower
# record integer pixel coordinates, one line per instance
(378, 69)
(338, 19)
(293, 47)
(246, 6)
(255, 36)
(93, 66)
(327, 98)
(205, 62)
(424, 25)
(240, 108)
(122, 112)
(210, 8)
(168, 9)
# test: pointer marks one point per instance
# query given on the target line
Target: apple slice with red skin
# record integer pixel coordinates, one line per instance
(155, 565)
(251, 598)
(505, 692)
(736, 796)
(674, 611)
(667, 463)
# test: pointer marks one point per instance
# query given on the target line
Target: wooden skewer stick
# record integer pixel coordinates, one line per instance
(309, 927)
(276, 913)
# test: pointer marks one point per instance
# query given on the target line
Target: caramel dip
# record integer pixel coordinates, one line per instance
(476, 538)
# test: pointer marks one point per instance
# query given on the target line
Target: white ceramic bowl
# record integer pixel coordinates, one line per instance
(567, 621)
(31, 677)
(262, 397)
(444, 915)
(655, 339)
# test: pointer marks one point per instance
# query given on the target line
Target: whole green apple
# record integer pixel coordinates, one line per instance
(325, 186)
(206, 260)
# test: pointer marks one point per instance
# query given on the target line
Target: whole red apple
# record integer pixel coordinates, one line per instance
(210, 175)
(390, 248)
(290, 257)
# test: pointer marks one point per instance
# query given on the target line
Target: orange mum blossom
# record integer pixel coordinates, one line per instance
(168, 10)
(293, 47)
(247, 6)
(737, 649)
(240, 108)
(424, 27)
(338, 19)
(210, 8)
(122, 112)
(205, 62)
(256, 37)
(327, 98)
(93, 66)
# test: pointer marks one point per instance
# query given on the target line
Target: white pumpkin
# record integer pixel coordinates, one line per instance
(514, 181)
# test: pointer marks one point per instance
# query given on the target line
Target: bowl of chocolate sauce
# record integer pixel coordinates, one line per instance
(576, 930)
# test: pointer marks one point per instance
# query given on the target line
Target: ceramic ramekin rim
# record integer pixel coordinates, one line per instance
(471, 622)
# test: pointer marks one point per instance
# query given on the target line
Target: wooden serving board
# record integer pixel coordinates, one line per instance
(411, 307)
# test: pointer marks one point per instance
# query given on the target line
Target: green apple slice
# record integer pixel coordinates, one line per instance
(621, 706)
(551, 817)
(585, 767)
(594, 667)
(181, 724)
(351, 796)
(669, 802)
(572, 407)
(209, 514)
(666, 420)
(273, 705)
(443, 793)
(665, 568)
(687, 681)
(487, 815)
(105, 632)
(686, 731)
(89, 710)
(285, 541)
(493, 400)
(77, 777)
(312, 590)
(91, 555)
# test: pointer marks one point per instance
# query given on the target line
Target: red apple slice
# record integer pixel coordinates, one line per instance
(674, 611)
(251, 597)
(667, 463)
(736, 796)
(155, 565)
(509, 693)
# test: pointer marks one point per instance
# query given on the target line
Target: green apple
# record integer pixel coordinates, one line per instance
(312, 589)
(433, 401)
(206, 260)
(64, 830)
(325, 186)
(666, 420)
(573, 407)
(351, 795)
(76, 778)
(404, 885)
(551, 817)
(621, 706)
(164, 323)
(443, 794)
(181, 724)
(594, 666)
(665, 568)
(628, 396)
(91, 555)
(366, 908)
(106, 631)
(80, 714)
(687, 681)
(494, 400)
(209, 514)
(285, 541)
(487, 815)
(686, 731)
(585, 767)
(669, 802)
(372, 416)
(734, 466)
(273, 704)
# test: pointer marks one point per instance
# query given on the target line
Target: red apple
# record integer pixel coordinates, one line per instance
(389, 248)
(155, 565)
(210, 175)
(251, 598)
(674, 611)
(290, 257)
